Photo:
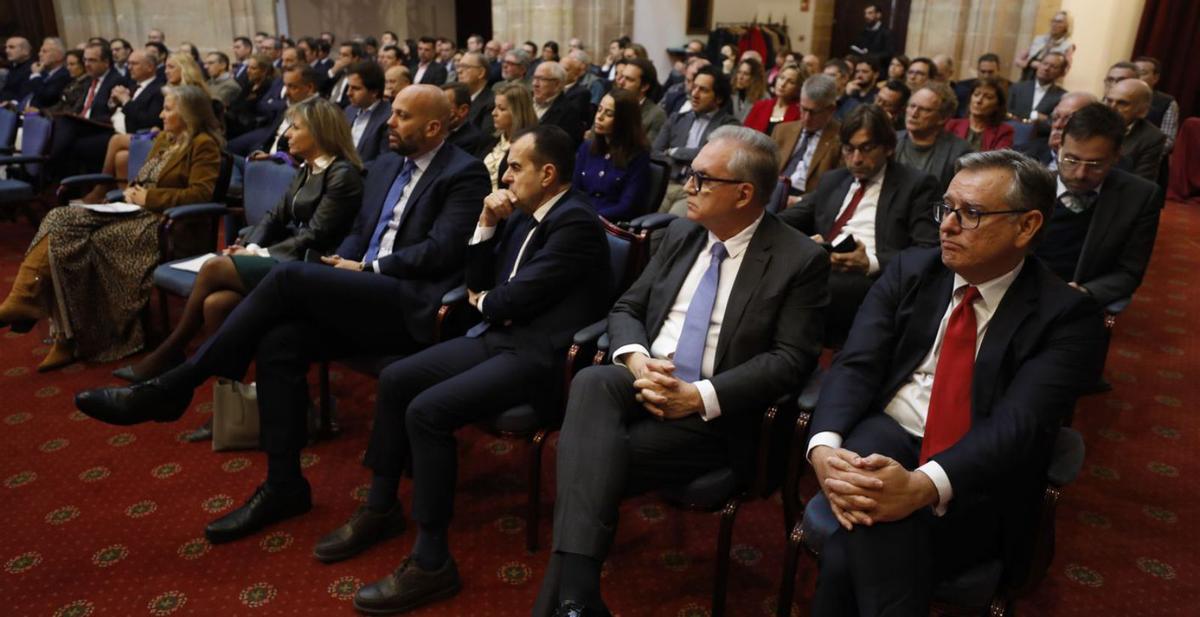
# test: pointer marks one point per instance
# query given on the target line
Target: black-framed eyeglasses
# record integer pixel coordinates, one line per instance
(690, 175)
(969, 217)
(864, 149)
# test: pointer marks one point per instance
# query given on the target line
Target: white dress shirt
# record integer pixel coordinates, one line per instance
(420, 73)
(359, 128)
(910, 406)
(389, 235)
(1039, 91)
(862, 223)
(799, 177)
(667, 340)
(540, 109)
(483, 234)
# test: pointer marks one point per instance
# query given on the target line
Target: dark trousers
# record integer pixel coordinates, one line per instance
(427, 396)
(67, 157)
(248, 142)
(892, 568)
(846, 293)
(300, 313)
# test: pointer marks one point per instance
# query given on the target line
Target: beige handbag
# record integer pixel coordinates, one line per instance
(235, 416)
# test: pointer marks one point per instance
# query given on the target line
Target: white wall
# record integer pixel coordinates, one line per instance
(1104, 32)
(659, 24)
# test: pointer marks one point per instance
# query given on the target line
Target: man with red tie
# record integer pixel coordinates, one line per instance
(872, 209)
(65, 159)
(937, 420)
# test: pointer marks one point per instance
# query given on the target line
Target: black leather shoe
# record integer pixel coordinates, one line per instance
(266, 506)
(572, 609)
(407, 588)
(364, 529)
(134, 404)
(126, 373)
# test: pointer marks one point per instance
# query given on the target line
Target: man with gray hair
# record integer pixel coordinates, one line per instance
(514, 68)
(473, 72)
(550, 106)
(810, 146)
(705, 340)
(582, 85)
(938, 418)
(1144, 144)
(925, 143)
(19, 54)
(48, 76)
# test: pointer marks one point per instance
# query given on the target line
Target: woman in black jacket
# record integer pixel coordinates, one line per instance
(315, 214)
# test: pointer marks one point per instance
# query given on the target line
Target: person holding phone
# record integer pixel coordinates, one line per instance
(867, 212)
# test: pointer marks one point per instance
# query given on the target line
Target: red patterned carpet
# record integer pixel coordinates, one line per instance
(108, 521)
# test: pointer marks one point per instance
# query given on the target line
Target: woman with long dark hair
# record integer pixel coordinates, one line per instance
(613, 167)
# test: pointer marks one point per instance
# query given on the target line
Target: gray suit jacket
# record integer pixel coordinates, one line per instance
(1144, 146)
(675, 135)
(1020, 100)
(653, 119)
(1120, 237)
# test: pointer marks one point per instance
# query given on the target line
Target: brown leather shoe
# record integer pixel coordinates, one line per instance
(364, 529)
(407, 588)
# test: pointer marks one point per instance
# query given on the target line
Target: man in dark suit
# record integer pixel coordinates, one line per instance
(243, 48)
(884, 205)
(1101, 233)
(1144, 144)
(334, 79)
(1034, 100)
(91, 117)
(549, 104)
(367, 113)
(48, 76)
(19, 54)
(811, 146)
(462, 133)
(931, 445)
(140, 101)
(426, 70)
(300, 83)
(533, 266)
(875, 40)
(726, 318)
(378, 296)
(473, 72)
(685, 133)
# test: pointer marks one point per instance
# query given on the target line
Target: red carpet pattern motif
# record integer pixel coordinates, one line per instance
(109, 521)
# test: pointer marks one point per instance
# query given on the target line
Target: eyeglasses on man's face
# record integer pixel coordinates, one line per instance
(969, 217)
(700, 178)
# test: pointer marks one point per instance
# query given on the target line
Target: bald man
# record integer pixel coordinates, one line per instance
(395, 79)
(1144, 144)
(19, 54)
(377, 296)
(1045, 151)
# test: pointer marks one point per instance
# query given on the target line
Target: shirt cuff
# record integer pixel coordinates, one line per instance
(482, 234)
(479, 302)
(941, 482)
(258, 250)
(824, 438)
(708, 394)
(375, 266)
(872, 264)
(632, 348)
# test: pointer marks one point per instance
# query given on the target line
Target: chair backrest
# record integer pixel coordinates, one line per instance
(265, 183)
(660, 175)
(221, 190)
(35, 140)
(1022, 133)
(139, 150)
(778, 201)
(622, 246)
(8, 127)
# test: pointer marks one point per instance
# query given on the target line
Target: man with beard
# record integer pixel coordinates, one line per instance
(377, 296)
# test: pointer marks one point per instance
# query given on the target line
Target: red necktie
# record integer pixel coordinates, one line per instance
(949, 415)
(91, 97)
(847, 213)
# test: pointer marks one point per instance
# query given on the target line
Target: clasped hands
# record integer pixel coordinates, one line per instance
(659, 392)
(868, 490)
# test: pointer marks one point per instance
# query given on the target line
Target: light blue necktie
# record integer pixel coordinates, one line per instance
(388, 210)
(689, 352)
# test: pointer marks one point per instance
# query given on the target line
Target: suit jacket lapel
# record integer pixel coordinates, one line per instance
(827, 211)
(754, 265)
(430, 174)
(1106, 206)
(925, 316)
(1018, 303)
(886, 193)
(667, 288)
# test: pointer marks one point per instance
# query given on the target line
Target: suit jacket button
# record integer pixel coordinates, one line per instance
(601, 174)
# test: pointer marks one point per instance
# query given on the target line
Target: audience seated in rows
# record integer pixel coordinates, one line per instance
(784, 107)
(985, 128)
(811, 146)
(1144, 145)
(686, 132)
(925, 144)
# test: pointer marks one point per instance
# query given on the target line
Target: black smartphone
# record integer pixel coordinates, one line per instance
(847, 245)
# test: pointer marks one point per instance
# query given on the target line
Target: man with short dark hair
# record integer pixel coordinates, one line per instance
(19, 54)
(463, 133)
(639, 77)
(938, 419)
(120, 50)
(270, 48)
(1101, 233)
(678, 96)
(535, 280)
(367, 113)
(243, 48)
(68, 130)
(893, 99)
(1144, 145)
(335, 77)
(1119, 72)
(921, 71)
(875, 40)
(925, 143)
(875, 204)
(299, 84)
(863, 87)
(1164, 110)
(840, 72)
(724, 320)
(445, 57)
(1033, 100)
(811, 146)
(425, 68)
(388, 57)
(685, 133)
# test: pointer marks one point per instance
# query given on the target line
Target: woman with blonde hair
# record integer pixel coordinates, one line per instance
(90, 271)
(314, 214)
(181, 69)
(512, 113)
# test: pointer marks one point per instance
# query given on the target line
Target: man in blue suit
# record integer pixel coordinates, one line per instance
(407, 249)
(533, 268)
(367, 113)
(937, 420)
(48, 77)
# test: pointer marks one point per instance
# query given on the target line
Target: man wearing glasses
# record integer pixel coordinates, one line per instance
(1101, 232)
(549, 104)
(877, 205)
(925, 143)
(473, 72)
(726, 318)
(937, 420)
(810, 146)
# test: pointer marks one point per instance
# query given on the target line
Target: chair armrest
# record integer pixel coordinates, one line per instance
(591, 333)
(455, 296)
(86, 180)
(18, 159)
(208, 208)
(797, 467)
(652, 221)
